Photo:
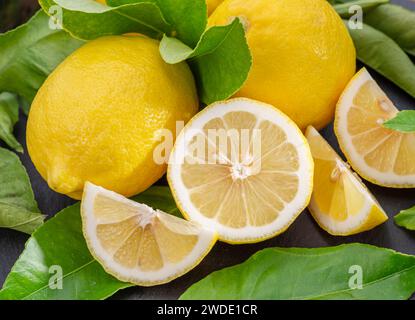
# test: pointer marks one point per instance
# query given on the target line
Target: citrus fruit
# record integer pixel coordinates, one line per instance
(212, 5)
(138, 244)
(341, 204)
(242, 168)
(380, 155)
(98, 116)
(303, 56)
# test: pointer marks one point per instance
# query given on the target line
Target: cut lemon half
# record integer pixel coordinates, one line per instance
(380, 155)
(341, 204)
(242, 168)
(137, 244)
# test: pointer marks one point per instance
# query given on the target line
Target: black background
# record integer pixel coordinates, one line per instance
(303, 233)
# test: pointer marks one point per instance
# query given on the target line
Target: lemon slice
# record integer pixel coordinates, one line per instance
(380, 155)
(242, 168)
(137, 244)
(341, 204)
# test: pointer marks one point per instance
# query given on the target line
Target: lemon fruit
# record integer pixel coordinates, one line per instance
(138, 244)
(212, 5)
(341, 204)
(303, 56)
(380, 155)
(98, 116)
(242, 168)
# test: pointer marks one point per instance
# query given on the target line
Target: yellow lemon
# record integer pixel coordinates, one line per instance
(98, 116)
(303, 56)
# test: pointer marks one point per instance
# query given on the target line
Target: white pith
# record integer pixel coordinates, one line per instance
(262, 112)
(346, 143)
(168, 272)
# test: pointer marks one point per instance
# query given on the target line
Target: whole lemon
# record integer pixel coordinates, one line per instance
(303, 55)
(98, 117)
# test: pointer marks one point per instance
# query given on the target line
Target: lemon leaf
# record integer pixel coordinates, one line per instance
(221, 61)
(378, 51)
(60, 243)
(29, 53)
(404, 121)
(343, 8)
(395, 21)
(351, 271)
(18, 208)
(186, 27)
(406, 219)
(9, 115)
(88, 19)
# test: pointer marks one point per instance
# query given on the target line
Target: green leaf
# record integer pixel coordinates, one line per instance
(404, 121)
(30, 53)
(396, 22)
(221, 60)
(173, 50)
(381, 53)
(366, 5)
(323, 273)
(87, 19)
(9, 115)
(222, 72)
(60, 242)
(18, 208)
(188, 18)
(406, 219)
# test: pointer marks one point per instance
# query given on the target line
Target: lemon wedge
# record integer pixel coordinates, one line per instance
(242, 168)
(382, 156)
(341, 204)
(138, 244)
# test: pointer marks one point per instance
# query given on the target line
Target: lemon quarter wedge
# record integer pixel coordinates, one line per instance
(341, 204)
(138, 244)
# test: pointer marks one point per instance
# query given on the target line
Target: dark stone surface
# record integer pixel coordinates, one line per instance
(303, 233)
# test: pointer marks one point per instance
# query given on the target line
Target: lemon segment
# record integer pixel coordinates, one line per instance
(249, 186)
(380, 155)
(138, 244)
(341, 204)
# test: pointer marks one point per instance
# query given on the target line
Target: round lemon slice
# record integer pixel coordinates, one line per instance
(380, 155)
(137, 244)
(242, 168)
(341, 204)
